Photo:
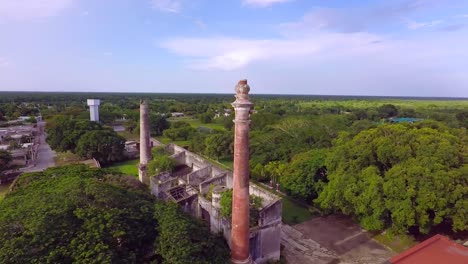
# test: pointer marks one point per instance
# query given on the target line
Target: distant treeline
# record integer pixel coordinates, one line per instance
(7, 97)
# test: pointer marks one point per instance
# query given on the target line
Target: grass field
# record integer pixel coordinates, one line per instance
(196, 123)
(166, 140)
(405, 103)
(3, 190)
(128, 167)
(397, 243)
(129, 136)
(294, 213)
(67, 158)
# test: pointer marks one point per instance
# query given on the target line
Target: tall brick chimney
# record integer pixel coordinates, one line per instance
(240, 248)
(145, 149)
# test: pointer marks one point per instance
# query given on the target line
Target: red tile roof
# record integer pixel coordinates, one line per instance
(437, 249)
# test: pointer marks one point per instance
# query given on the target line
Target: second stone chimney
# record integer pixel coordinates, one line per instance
(145, 141)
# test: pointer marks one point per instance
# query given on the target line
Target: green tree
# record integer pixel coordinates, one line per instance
(63, 132)
(180, 133)
(257, 172)
(206, 118)
(225, 203)
(219, 145)
(305, 174)
(275, 170)
(387, 110)
(161, 163)
(14, 145)
(462, 117)
(103, 145)
(228, 122)
(76, 214)
(32, 119)
(182, 239)
(158, 124)
(5, 158)
(400, 176)
(130, 125)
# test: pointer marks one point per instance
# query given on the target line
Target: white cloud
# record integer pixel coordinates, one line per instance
(419, 25)
(171, 6)
(263, 3)
(30, 9)
(227, 53)
(321, 36)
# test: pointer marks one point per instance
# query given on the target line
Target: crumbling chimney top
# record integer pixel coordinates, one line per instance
(242, 89)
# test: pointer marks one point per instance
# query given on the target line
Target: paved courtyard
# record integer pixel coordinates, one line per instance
(331, 240)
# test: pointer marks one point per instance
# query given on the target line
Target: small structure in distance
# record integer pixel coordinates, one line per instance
(94, 109)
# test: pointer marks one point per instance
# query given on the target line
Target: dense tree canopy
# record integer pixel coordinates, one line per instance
(219, 145)
(5, 158)
(86, 138)
(161, 163)
(103, 145)
(183, 239)
(387, 110)
(158, 124)
(75, 214)
(400, 176)
(305, 175)
(64, 132)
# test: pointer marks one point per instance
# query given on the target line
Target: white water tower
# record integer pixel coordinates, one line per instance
(94, 109)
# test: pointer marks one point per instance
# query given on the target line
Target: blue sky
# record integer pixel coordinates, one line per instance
(398, 47)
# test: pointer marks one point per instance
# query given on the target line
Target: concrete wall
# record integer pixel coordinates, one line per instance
(190, 204)
(267, 197)
(191, 159)
(179, 157)
(216, 171)
(199, 176)
(218, 181)
(271, 214)
(161, 183)
(265, 243)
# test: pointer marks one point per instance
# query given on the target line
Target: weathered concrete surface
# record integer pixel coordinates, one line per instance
(298, 249)
(333, 239)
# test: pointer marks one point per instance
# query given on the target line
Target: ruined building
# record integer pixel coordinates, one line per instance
(195, 180)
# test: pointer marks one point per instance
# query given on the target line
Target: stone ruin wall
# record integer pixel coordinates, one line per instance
(264, 238)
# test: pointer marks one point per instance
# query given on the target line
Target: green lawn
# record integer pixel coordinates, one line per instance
(128, 167)
(3, 190)
(397, 243)
(196, 123)
(66, 158)
(166, 140)
(228, 163)
(129, 136)
(294, 213)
